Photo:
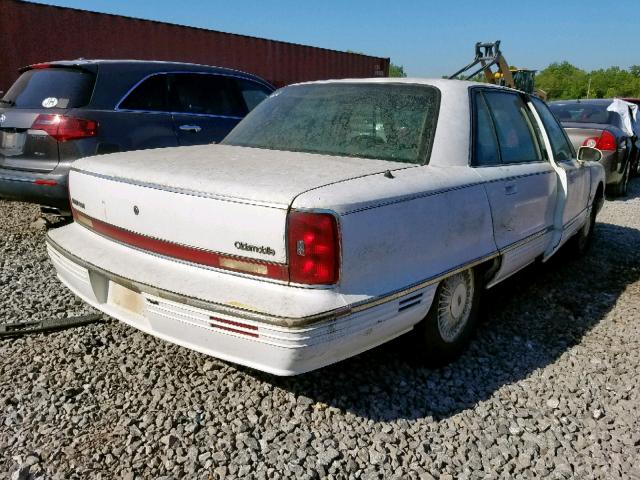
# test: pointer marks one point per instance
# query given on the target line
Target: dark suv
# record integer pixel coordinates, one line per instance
(58, 112)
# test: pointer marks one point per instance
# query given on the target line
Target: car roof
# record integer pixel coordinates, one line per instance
(451, 142)
(443, 84)
(148, 66)
(117, 78)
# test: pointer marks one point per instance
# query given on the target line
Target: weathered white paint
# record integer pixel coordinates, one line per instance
(399, 236)
(238, 173)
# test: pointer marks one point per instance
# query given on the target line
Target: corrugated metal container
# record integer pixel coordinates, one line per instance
(32, 33)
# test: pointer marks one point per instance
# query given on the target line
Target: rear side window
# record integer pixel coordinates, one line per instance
(205, 94)
(252, 93)
(485, 143)
(150, 95)
(516, 134)
(51, 88)
(562, 149)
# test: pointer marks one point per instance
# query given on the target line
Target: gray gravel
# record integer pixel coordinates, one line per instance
(548, 389)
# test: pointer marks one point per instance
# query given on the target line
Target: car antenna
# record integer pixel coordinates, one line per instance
(388, 174)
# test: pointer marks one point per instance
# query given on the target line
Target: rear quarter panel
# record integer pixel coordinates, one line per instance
(398, 232)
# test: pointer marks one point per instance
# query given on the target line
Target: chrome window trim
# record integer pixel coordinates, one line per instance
(232, 117)
(169, 72)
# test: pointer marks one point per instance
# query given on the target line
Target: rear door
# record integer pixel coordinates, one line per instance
(142, 119)
(578, 177)
(48, 91)
(520, 183)
(205, 107)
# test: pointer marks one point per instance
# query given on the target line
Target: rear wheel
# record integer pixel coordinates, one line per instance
(446, 330)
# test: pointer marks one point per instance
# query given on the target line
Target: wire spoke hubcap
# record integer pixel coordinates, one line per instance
(454, 305)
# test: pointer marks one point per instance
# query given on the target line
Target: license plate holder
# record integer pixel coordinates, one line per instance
(126, 299)
(12, 142)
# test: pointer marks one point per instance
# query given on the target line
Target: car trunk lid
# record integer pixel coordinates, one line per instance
(215, 198)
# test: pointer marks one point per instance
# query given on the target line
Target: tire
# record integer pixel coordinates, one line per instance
(620, 189)
(579, 244)
(444, 333)
(633, 172)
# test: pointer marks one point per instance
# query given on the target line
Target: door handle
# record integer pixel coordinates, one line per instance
(190, 128)
(510, 189)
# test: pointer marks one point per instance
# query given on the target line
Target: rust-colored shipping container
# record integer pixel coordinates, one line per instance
(32, 33)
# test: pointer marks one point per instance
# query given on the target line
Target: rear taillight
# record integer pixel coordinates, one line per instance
(606, 141)
(64, 128)
(314, 248)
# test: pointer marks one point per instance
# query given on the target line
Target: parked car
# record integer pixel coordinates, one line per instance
(336, 216)
(58, 112)
(588, 122)
(635, 168)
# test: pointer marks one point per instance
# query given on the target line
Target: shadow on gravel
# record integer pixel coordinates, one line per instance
(530, 321)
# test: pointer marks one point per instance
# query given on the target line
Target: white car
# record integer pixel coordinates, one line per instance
(336, 216)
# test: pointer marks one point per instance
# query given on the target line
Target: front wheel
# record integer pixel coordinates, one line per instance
(580, 242)
(443, 334)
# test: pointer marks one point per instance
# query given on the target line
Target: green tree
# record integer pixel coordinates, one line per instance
(396, 70)
(565, 81)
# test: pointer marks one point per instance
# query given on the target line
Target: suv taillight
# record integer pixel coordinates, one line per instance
(314, 248)
(64, 128)
(606, 141)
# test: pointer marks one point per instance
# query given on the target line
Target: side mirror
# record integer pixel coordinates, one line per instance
(589, 154)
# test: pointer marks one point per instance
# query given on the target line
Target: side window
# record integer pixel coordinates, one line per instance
(252, 93)
(150, 95)
(562, 148)
(205, 94)
(485, 144)
(516, 134)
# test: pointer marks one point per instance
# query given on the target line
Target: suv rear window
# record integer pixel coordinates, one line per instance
(51, 87)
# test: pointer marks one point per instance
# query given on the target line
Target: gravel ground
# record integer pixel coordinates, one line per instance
(548, 389)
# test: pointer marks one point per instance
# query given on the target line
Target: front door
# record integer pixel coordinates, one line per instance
(575, 176)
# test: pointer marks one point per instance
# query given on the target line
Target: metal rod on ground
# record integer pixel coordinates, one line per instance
(24, 328)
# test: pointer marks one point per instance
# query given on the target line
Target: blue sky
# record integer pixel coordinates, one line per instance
(429, 38)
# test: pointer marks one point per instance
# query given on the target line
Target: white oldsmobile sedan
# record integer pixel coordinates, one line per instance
(336, 216)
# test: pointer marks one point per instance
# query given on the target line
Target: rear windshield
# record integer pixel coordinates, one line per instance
(584, 113)
(50, 88)
(380, 121)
